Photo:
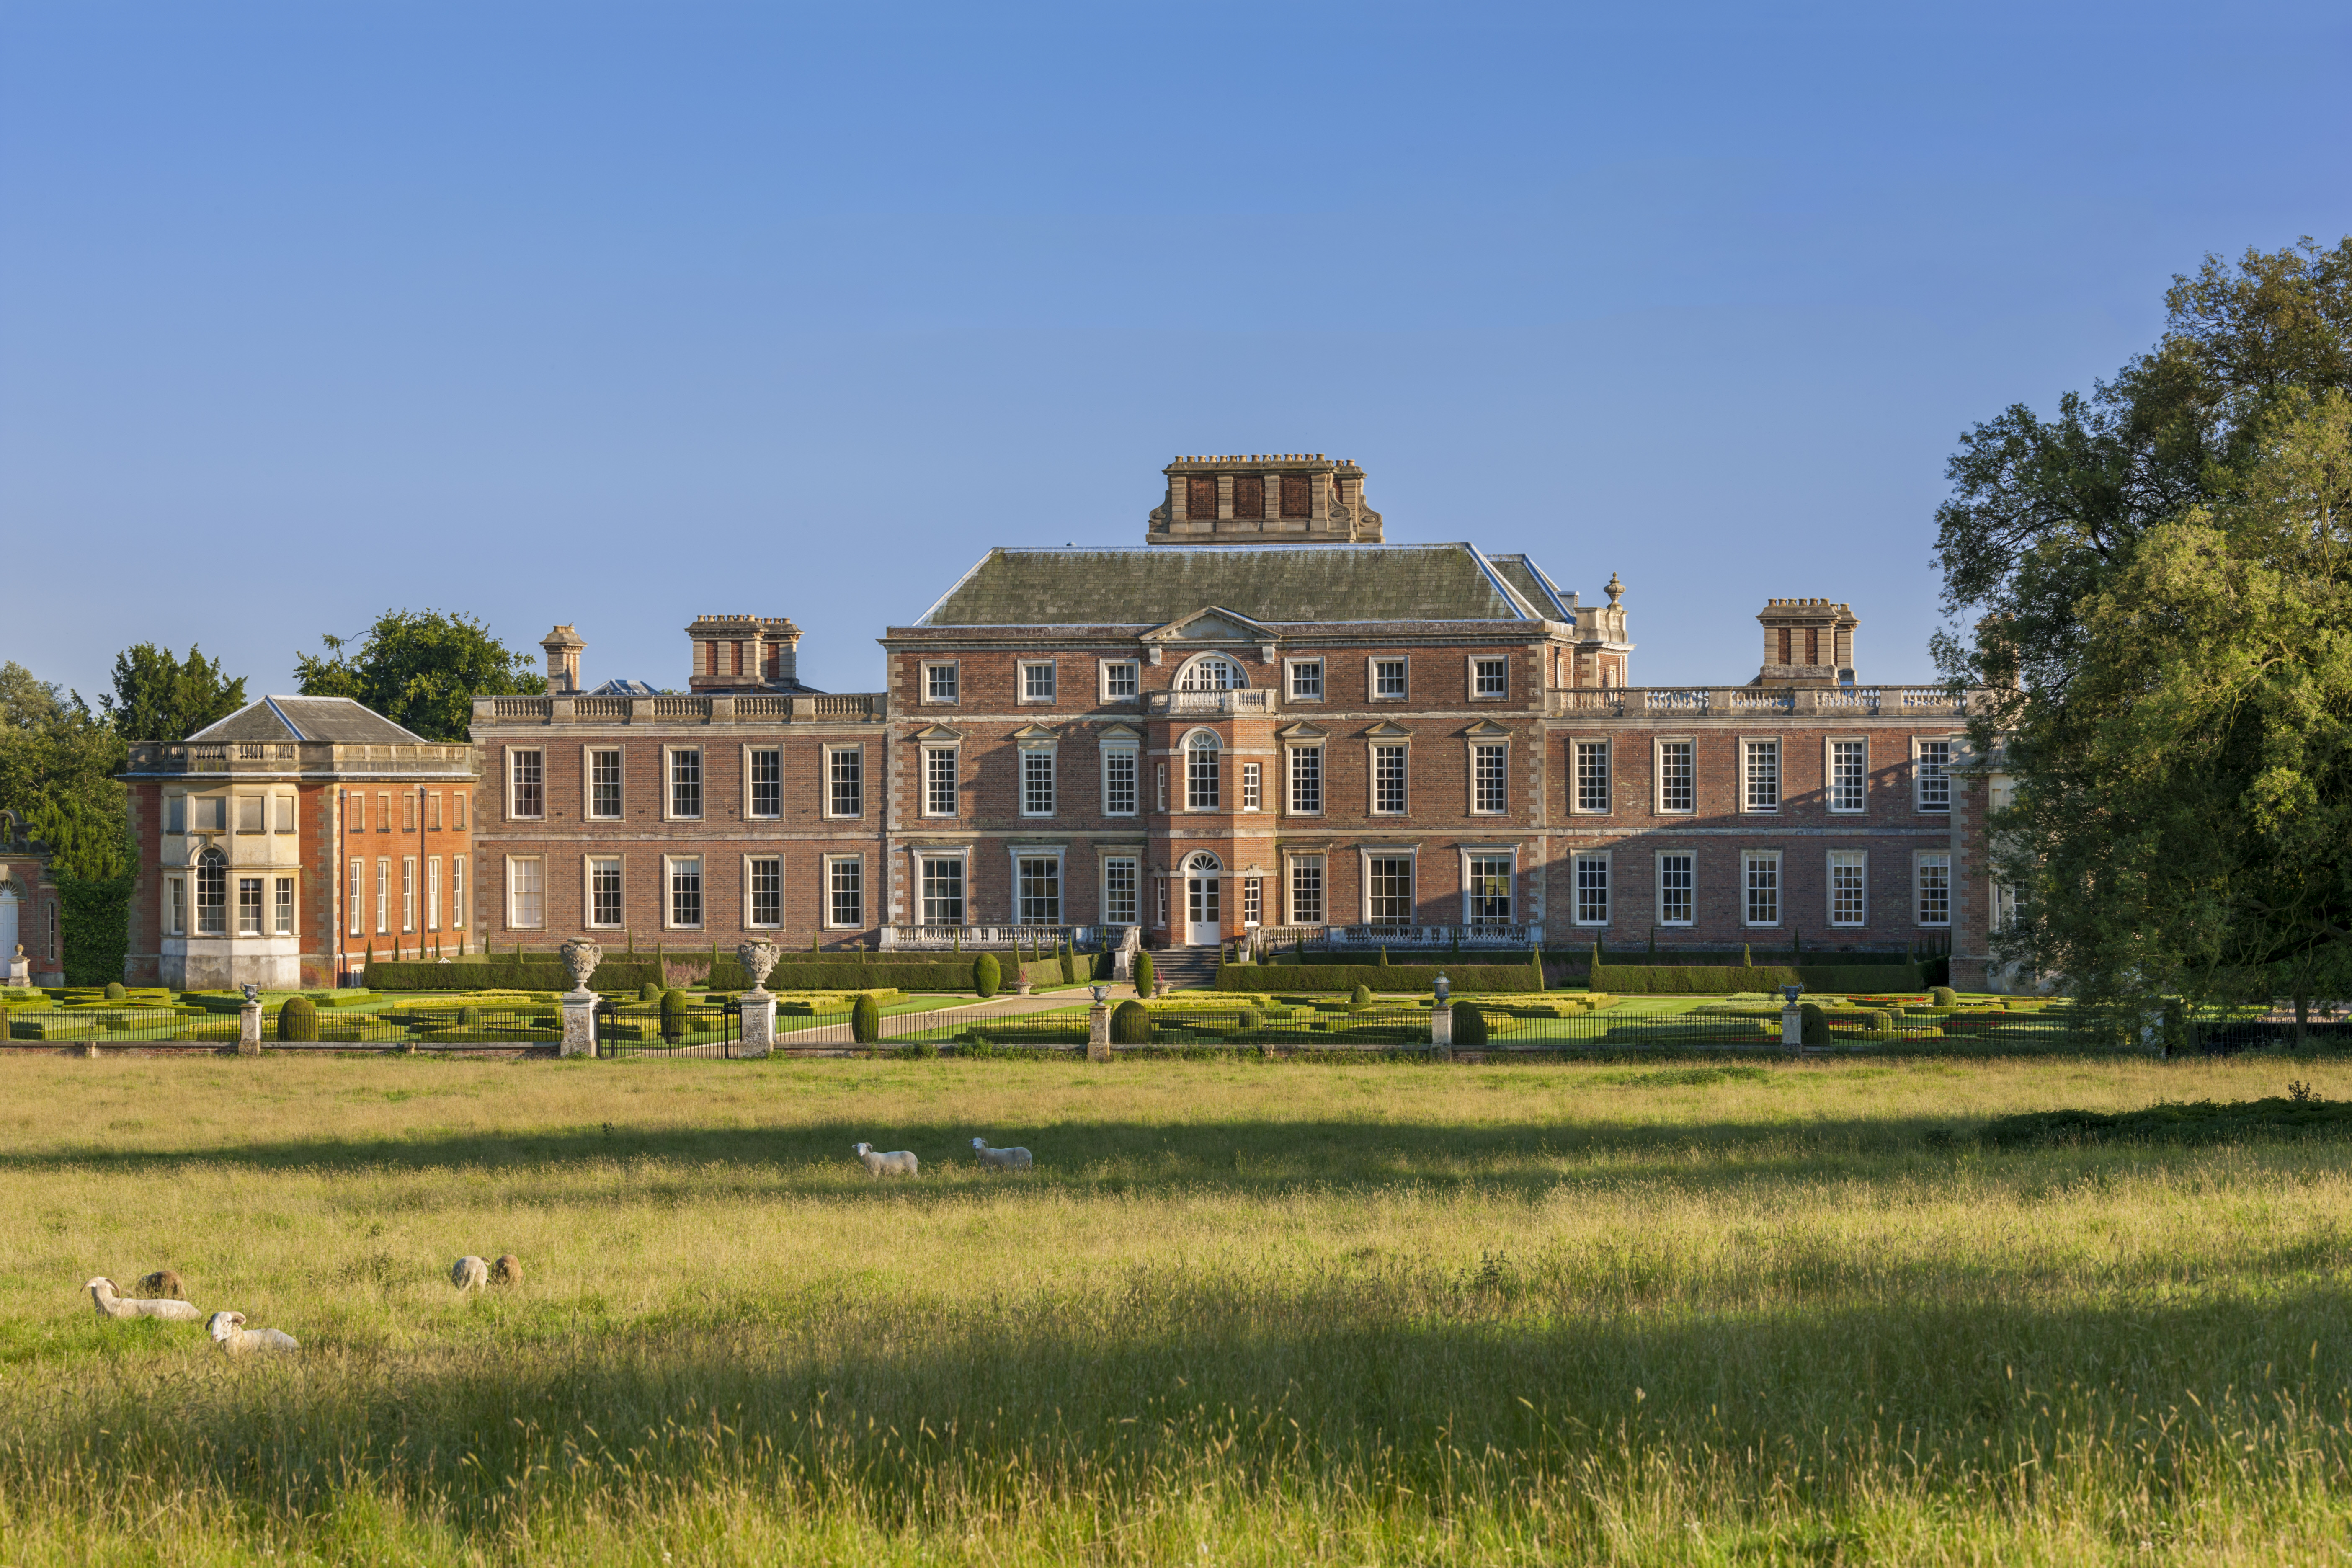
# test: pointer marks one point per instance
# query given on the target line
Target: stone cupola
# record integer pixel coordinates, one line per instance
(1264, 497)
(562, 645)
(1807, 642)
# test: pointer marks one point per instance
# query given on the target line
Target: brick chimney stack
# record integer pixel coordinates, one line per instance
(1807, 642)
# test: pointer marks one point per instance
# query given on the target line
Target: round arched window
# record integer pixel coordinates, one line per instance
(1202, 862)
(1213, 672)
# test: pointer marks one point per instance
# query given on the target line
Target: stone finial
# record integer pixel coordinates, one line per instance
(758, 958)
(580, 957)
(1616, 589)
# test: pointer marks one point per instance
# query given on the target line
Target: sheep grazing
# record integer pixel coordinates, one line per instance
(109, 1305)
(469, 1273)
(898, 1163)
(230, 1332)
(1000, 1159)
(507, 1270)
(164, 1282)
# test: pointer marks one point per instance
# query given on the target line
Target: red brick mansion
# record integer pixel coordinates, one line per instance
(1264, 720)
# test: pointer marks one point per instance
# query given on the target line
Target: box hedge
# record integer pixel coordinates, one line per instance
(629, 976)
(1271, 978)
(1722, 979)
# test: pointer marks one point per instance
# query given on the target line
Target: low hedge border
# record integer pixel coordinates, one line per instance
(621, 975)
(1710, 980)
(1273, 977)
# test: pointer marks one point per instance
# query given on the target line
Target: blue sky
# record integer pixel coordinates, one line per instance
(616, 314)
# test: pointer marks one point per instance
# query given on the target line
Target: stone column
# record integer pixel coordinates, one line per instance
(1441, 1032)
(758, 1025)
(248, 1027)
(580, 1022)
(1099, 1032)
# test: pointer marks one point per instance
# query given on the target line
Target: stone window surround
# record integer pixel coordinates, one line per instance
(1019, 851)
(512, 754)
(955, 679)
(669, 784)
(923, 778)
(588, 863)
(1576, 860)
(1290, 679)
(1829, 776)
(746, 749)
(1105, 855)
(1103, 669)
(919, 853)
(513, 863)
(748, 923)
(1372, 774)
(1920, 860)
(1365, 855)
(1470, 663)
(1026, 748)
(1658, 774)
(1130, 746)
(1780, 783)
(588, 750)
(1469, 852)
(828, 862)
(1291, 859)
(1829, 887)
(1920, 776)
(1470, 774)
(669, 863)
(1184, 751)
(826, 755)
(1780, 889)
(1372, 676)
(1021, 679)
(1303, 744)
(1576, 806)
(1658, 883)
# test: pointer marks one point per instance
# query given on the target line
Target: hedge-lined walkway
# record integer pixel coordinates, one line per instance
(834, 1029)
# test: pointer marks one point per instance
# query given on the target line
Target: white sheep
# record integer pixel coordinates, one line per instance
(230, 1332)
(900, 1163)
(469, 1273)
(1000, 1159)
(109, 1305)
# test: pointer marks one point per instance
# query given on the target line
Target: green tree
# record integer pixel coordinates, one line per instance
(160, 697)
(2163, 577)
(57, 767)
(420, 669)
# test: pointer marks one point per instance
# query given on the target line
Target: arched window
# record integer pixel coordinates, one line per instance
(1202, 864)
(1213, 672)
(212, 893)
(1200, 771)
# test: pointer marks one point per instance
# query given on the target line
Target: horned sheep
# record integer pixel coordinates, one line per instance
(109, 1305)
(899, 1163)
(1000, 1159)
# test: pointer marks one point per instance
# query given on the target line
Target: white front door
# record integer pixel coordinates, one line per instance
(1201, 911)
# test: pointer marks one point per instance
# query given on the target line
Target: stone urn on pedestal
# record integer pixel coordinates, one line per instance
(758, 958)
(581, 958)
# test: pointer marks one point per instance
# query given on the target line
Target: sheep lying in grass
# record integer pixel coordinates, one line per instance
(109, 1305)
(898, 1163)
(1000, 1159)
(164, 1282)
(469, 1273)
(230, 1332)
(507, 1270)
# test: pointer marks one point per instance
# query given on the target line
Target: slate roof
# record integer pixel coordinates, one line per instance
(1155, 584)
(333, 719)
(1533, 585)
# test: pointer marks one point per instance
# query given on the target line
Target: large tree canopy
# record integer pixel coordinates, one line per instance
(159, 696)
(2163, 579)
(422, 670)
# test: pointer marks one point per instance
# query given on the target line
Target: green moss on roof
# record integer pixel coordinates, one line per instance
(1157, 583)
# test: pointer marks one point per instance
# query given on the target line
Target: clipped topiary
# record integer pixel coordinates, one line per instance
(1469, 1024)
(115, 992)
(1143, 975)
(1535, 962)
(1069, 963)
(865, 1021)
(650, 991)
(1252, 1021)
(470, 1018)
(1944, 997)
(672, 1017)
(1814, 1021)
(987, 975)
(1130, 1023)
(1384, 955)
(1361, 994)
(1882, 1025)
(297, 1020)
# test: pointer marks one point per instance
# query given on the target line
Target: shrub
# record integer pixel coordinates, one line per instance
(915, 1051)
(297, 1020)
(1251, 1020)
(865, 1021)
(987, 975)
(469, 1018)
(1361, 994)
(1481, 978)
(1143, 975)
(115, 992)
(672, 1017)
(1882, 1025)
(1130, 1021)
(1384, 955)
(1944, 997)
(1069, 963)
(1469, 1024)
(650, 991)
(1815, 1022)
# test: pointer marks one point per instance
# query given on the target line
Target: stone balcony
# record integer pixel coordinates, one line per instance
(1246, 702)
(1924, 703)
(846, 707)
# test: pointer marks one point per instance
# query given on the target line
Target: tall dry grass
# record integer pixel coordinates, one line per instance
(1246, 1313)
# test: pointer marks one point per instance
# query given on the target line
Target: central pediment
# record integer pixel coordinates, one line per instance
(1211, 624)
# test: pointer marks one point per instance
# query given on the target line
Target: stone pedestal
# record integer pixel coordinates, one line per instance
(758, 1025)
(20, 969)
(249, 1029)
(1441, 1032)
(1793, 1027)
(579, 1023)
(1099, 1032)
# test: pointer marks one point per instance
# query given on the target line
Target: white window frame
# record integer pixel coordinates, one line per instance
(1658, 873)
(1321, 865)
(830, 755)
(514, 755)
(955, 781)
(588, 866)
(1053, 682)
(1502, 781)
(1858, 862)
(1216, 749)
(1029, 756)
(2000, 900)
(749, 752)
(1290, 806)
(1597, 863)
(1061, 884)
(1252, 787)
(1372, 750)
(1134, 889)
(928, 696)
(1470, 677)
(1750, 861)
(1365, 856)
(588, 755)
(1921, 862)
(515, 865)
(1659, 776)
(961, 860)
(1577, 805)
(260, 921)
(282, 896)
(832, 909)
(1831, 781)
(1920, 777)
(355, 898)
(1132, 753)
(1160, 786)
(384, 897)
(1747, 778)
(457, 891)
(1471, 855)
(1253, 903)
(669, 786)
(433, 893)
(408, 895)
(1290, 668)
(1106, 673)
(1372, 663)
(671, 865)
(175, 908)
(749, 922)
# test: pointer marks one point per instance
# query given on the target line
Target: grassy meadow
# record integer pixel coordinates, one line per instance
(1242, 1313)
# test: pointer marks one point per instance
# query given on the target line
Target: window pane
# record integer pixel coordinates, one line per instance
(1592, 890)
(530, 799)
(1492, 677)
(212, 894)
(939, 781)
(1041, 891)
(1306, 891)
(943, 892)
(604, 784)
(1118, 893)
(767, 891)
(1119, 783)
(1935, 782)
(1675, 889)
(686, 784)
(1487, 790)
(768, 782)
(1763, 776)
(1847, 762)
(1592, 775)
(1390, 886)
(1201, 774)
(1307, 678)
(846, 771)
(1306, 779)
(1037, 783)
(248, 906)
(845, 882)
(1387, 778)
(1490, 889)
(1763, 876)
(1934, 889)
(605, 893)
(1848, 895)
(685, 892)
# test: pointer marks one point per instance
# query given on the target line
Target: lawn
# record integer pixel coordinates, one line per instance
(1242, 1312)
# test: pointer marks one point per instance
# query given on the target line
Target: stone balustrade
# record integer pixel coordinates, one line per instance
(747, 708)
(1742, 701)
